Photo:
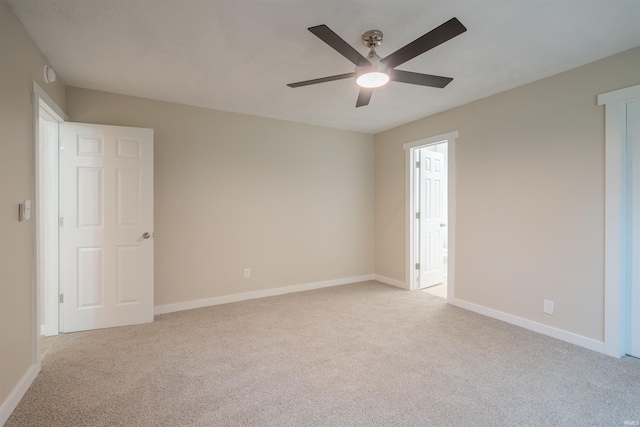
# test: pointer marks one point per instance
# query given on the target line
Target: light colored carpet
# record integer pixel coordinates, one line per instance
(46, 343)
(360, 355)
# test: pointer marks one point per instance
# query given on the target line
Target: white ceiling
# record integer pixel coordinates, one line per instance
(238, 55)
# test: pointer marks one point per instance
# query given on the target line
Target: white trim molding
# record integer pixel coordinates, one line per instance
(226, 299)
(449, 136)
(390, 281)
(10, 404)
(40, 99)
(560, 334)
(410, 148)
(53, 108)
(615, 280)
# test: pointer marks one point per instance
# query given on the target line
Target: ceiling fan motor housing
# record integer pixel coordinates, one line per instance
(372, 38)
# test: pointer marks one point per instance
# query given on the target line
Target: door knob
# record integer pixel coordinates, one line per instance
(146, 235)
(443, 225)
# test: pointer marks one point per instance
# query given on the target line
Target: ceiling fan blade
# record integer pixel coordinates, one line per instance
(433, 38)
(322, 80)
(325, 34)
(364, 97)
(419, 79)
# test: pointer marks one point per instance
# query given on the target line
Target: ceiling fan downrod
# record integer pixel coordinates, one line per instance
(372, 39)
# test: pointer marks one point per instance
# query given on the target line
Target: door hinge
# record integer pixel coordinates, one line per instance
(61, 222)
(61, 298)
(417, 266)
(417, 215)
(418, 164)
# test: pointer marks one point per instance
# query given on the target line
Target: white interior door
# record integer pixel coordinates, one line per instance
(633, 185)
(432, 221)
(106, 233)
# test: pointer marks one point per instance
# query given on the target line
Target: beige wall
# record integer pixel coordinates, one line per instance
(530, 195)
(20, 63)
(293, 202)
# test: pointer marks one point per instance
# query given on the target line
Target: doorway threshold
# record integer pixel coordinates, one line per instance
(437, 290)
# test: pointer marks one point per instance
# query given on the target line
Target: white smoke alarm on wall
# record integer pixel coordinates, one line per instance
(49, 74)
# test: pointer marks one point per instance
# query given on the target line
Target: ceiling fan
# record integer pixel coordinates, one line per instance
(372, 72)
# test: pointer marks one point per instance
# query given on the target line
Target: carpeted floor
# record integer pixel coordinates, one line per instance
(357, 355)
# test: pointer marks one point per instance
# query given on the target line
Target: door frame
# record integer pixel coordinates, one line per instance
(40, 99)
(616, 281)
(410, 156)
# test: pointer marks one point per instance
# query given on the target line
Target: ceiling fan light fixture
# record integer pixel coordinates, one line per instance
(374, 75)
(372, 79)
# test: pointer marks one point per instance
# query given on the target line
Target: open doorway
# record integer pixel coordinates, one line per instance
(431, 214)
(431, 218)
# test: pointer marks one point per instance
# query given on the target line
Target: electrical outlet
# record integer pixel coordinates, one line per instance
(547, 307)
(247, 273)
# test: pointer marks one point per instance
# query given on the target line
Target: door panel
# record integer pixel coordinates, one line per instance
(431, 218)
(107, 206)
(90, 264)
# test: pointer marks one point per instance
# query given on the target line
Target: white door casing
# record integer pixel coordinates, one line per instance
(633, 223)
(106, 190)
(432, 222)
(47, 205)
(46, 279)
(616, 248)
(412, 150)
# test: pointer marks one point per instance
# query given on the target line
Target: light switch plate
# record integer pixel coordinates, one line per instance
(24, 211)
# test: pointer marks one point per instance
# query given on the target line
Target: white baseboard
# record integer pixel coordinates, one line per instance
(18, 392)
(390, 281)
(560, 334)
(208, 302)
